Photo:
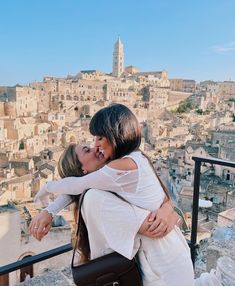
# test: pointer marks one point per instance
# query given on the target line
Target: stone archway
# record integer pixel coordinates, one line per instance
(85, 110)
(26, 269)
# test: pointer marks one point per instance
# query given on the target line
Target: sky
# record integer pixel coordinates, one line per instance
(189, 39)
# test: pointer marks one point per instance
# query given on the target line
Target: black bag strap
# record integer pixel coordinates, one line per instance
(79, 217)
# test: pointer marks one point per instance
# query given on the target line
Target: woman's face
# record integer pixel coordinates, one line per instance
(90, 158)
(104, 147)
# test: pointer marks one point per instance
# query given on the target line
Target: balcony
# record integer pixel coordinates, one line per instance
(5, 270)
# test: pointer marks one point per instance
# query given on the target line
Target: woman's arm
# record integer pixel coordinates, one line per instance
(59, 204)
(160, 222)
(157, 224)
(97, 180)
(41, 223)
(76, 185)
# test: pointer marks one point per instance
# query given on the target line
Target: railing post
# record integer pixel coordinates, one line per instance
(197, 173)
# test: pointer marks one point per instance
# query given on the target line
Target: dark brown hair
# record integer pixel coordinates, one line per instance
(119, 125)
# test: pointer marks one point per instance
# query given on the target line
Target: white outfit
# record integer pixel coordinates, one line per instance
(112, 224)
(165, 261)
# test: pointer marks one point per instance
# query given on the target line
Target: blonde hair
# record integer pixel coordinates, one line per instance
(69, 164)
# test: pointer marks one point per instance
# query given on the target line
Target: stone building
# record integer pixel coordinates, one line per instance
(19, 187)
(227, 89)
(158, 98)
(2, 130)
(231, 199)
(175, 98)
(2, 109)
(44, 96)
(226, 218)
(19, 128)
(22, 166)
(209, 101)
(186, 199)
(185, 85)
(199, 150)
(226, 142)
(155, 78)
(16, 244)
(131, 70)
(25, 99)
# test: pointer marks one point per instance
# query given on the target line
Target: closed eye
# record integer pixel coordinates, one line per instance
(86, 149)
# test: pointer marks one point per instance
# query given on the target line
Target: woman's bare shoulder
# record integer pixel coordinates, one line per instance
(124, 164)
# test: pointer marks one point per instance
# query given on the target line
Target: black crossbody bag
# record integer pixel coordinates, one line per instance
(109, 270)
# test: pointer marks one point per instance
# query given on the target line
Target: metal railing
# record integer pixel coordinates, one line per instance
(197, 173)
(193, 243)
(35, 258)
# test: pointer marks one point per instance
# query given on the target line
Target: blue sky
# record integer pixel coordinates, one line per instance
(190, 39)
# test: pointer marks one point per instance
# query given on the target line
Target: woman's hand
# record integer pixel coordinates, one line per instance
(40, 225)
(160, 222)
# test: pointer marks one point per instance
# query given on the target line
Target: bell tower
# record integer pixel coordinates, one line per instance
(118, 59)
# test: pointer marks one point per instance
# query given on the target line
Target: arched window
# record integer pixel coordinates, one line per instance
(26, 271)
(72, 139)
(21, 146)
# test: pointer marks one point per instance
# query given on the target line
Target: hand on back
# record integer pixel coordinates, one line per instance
(160, 222)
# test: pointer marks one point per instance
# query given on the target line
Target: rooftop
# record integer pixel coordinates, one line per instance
(230, 214)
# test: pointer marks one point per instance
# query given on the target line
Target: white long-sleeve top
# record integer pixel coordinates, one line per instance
(139, 187)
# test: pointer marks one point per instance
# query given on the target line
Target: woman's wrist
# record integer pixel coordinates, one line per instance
(168, 203)
(49, 213)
